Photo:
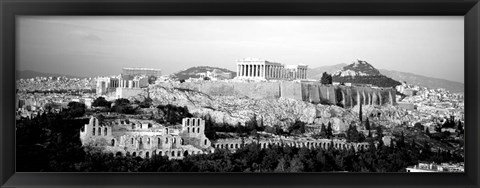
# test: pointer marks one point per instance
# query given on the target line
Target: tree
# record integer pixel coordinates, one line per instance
(297, 128)
(329, 130)
(353, 135)
(401, 141)
(326, 78)
(75, 109)
(379, 133)
(419, 126)
(367, 124)
(146, 103)
(152, 79)
(438, 128)
(123, 106)
(101, 101)
(460, 128)
(323, 131)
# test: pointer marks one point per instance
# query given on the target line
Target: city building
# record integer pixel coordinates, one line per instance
(252, 68)
(433, 167)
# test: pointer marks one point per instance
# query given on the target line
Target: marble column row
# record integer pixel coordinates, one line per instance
(129, 84)
(251, 70)
(268, 71)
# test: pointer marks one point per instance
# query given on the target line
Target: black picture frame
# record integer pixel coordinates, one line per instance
(9, 9)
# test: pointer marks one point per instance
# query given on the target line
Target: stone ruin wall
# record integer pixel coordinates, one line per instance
(239, 89)
(234, 144)
(191, 139)
(310, 92)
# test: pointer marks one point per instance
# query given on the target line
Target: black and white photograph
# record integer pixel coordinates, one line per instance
(261, 94)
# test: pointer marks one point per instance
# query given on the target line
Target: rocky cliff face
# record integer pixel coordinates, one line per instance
(347, 97)
(282, 112)
(313, 92)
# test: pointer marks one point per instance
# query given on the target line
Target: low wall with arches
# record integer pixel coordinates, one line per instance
(178, 153)
(234, 144)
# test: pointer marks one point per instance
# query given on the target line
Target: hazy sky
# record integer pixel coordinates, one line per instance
(92, 46)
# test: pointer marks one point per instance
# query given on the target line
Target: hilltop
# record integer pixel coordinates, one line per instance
(362, 72)
(410, 78)
(425, 81)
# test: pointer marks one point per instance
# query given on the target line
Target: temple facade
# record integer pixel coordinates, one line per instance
(122, 86)
(252, 68)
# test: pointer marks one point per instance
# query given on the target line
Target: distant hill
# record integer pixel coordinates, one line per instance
(32, 74)
(425, 81)
(361, 72)
(316, 73)
(429, 82)
(194, 72)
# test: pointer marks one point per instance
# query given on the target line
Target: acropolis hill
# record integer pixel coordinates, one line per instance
(314, 92)
(275, 96)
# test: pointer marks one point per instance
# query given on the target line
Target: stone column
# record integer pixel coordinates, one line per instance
(262, 71)
(278, 72)
(259, 72)
(252, 70)
(244, 70)
(269, 69)
(275, 71)
(241, 70)
(272, 71)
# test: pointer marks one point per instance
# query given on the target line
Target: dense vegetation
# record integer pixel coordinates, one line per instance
(326, 78)
(50, 142)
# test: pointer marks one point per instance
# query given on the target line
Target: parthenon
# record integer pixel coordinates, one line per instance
(252, 68)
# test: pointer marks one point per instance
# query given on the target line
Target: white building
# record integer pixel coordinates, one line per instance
(432, 167)
(252, 68)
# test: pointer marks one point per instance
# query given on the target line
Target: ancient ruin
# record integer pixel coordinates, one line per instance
(144, 138)
(252, 68)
